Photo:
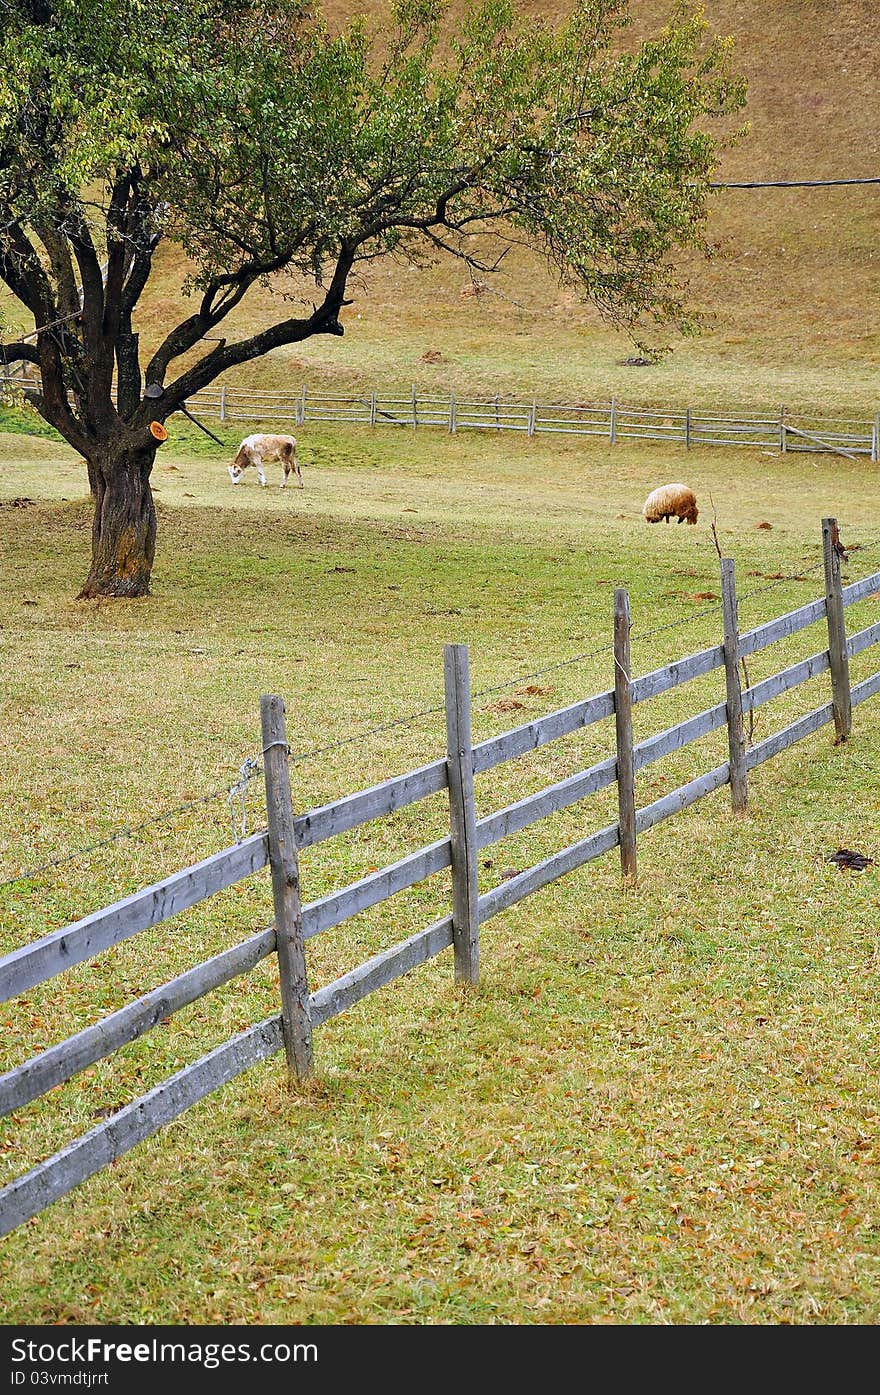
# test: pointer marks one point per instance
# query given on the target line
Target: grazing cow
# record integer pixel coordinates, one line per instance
(254, 450)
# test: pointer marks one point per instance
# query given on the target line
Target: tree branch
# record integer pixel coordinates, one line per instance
(20, 269)
(19, 353)
(62, 269)
(233, 286)
(324, 320)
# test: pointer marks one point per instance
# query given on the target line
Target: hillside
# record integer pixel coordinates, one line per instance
(789, 298)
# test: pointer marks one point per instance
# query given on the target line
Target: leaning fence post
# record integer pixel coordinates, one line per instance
(289, 940)
(462, 814)
(736, 738)
(841, 700)
(626, 793)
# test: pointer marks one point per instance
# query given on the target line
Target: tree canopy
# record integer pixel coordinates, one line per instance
(260, 142)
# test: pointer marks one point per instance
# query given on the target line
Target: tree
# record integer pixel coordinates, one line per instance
(259, 142)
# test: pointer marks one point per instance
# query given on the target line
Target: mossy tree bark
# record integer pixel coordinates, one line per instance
(124, 524)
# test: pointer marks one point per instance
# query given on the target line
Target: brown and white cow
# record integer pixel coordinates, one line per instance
(257, 449)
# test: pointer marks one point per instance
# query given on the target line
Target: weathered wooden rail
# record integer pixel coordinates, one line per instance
(288, 834)
(612, 421)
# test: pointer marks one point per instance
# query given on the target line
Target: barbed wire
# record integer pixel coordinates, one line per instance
(794, 183)
(125, 832)
(236, 793)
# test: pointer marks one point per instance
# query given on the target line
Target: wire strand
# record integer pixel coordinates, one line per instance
(793, 183)
(238, 788)
(127, 831)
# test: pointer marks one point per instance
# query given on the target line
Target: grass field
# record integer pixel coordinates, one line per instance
(660, 1104)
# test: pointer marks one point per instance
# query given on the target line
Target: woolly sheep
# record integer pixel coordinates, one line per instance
(671, 501)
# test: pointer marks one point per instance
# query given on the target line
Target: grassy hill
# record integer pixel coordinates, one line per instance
(789, 297)
(660, 1105)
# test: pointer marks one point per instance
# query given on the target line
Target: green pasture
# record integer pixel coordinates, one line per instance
(659, 1106)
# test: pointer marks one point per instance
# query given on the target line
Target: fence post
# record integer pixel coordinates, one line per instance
(783, 438)
(301, 408)
(289, 941)
(497, 422)
(452, 413)
(415, 415)
(687, 428)
(223, 403)
(626, 794)
(533, 413)
(612, 427)
(462, 814)
(840, 691)
(373, 407)
(736, 738)
(875, 440)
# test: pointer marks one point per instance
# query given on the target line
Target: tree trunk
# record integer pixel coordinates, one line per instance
(124, 525)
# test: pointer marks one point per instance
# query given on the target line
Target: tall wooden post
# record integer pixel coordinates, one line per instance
(612, 423)
(736, 739)
(452, 413)
(841, 700)
(626, 792)
(415, 410)
(462, 814)
(687, 428)
(289, 940)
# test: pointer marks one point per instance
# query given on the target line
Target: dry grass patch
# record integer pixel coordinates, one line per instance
(658, 1106)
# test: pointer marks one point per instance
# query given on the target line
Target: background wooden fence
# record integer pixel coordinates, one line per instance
(613, 421)
(288, 834)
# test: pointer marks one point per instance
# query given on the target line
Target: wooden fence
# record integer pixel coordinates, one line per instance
(288, 834)
(612, 421)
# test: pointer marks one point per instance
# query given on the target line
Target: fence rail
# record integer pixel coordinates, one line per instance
(295, 922)
(610, 420)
